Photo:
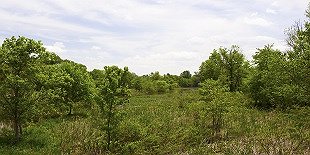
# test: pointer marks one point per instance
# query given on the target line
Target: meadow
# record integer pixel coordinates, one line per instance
(177, 122)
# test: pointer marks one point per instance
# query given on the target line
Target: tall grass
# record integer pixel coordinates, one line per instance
(173, 123)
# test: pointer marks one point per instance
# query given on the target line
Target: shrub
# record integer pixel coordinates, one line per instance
(161, 86)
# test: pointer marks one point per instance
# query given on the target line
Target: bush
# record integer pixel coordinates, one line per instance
(161, 86)
(211, 89)
(185, 82)
(148, 87)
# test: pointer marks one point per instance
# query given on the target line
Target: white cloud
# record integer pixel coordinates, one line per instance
(254, 19)
(271, 11)
(57, 47)
(167, 36)
(177, 61)
(289, 4)
(96, 48)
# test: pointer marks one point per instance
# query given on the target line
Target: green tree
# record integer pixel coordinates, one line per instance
(283, 79)
(185, 79)
(214, 94)
(186, 74)
(299, 55)
(185, 82)
(161, 86)
(20, 58)
(273, 83)
(155, 76)
(226, 65)
(233, 62)
(211, 68)
(69, 84)
(113, 92)
(268, 75)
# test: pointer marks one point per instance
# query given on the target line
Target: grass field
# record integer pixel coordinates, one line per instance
(172, 123)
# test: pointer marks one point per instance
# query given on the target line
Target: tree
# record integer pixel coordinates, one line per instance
(211, 68)
(186, 74)
(155, 76)
(298, 38)
(20, 58)
(282, 79)
(70, 84)
(233, 63)
(185, 82)
(268, 75)
(215, 95)
(185, 79)
(273, 83)
(161, 86)
(226, 65)
(113, 92)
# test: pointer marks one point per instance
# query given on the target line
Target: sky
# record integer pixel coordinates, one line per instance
(168, 36)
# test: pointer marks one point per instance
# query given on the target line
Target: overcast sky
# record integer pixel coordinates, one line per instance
(168, 36)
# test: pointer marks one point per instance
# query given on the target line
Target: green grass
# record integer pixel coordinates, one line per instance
(173, 123)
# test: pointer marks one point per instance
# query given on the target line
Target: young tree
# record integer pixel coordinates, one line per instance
(215, 95)
(113, 92)
(20, 58)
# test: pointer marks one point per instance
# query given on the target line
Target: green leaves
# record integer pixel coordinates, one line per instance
(68, 84)
(19, 61)
(278, 80)
(112, 86)
(227, 65)
(211, 89)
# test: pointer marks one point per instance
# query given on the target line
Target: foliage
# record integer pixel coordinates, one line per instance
(226, 65)
(155, 83)
(186, 74)
(67, 84)
(113, 92)
(36, 87)
(211, 89)
(274, 83)
(161, 86)
(187, 80)
(178, 120)
(215, 95)
(20, 58)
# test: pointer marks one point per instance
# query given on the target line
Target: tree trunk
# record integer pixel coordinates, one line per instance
(17, 129)
(20, 129)
(70, 110)
(16, 117)
(109, 126)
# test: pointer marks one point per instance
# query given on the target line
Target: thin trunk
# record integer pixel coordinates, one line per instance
(20, 129)
(109, 126)
(16, 119)
(17, 129)
(70, 110)
(231, 78)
